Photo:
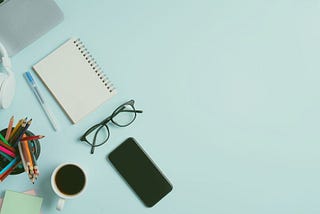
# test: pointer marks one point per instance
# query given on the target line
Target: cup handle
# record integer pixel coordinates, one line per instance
(60, 204)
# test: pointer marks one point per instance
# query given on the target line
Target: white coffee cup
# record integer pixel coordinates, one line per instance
(68, 181)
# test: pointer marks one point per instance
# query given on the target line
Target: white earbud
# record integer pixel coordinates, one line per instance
(7, 80)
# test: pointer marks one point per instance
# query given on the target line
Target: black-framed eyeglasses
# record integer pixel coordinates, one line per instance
(99, 134)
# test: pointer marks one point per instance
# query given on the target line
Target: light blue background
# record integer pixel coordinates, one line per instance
(230, 93)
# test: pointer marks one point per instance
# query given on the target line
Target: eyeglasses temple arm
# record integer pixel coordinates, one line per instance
(136, 111)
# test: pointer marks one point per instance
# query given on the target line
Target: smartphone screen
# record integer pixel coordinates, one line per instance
(142, 175)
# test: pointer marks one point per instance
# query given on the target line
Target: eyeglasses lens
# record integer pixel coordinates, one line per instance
(101, 135)
(125, 116)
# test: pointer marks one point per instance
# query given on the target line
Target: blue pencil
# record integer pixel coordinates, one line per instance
(6, 156)
(9, 165)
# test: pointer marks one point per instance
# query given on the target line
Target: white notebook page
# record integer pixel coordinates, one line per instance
(73, 81)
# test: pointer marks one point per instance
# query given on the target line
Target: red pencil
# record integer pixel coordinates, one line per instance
(7, 147)
(29, 138)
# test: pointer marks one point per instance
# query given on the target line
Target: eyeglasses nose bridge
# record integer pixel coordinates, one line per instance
(105, 121)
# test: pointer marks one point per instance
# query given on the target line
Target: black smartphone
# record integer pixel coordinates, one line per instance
(139, 171)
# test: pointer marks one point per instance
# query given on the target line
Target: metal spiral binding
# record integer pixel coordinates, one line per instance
(92, 62)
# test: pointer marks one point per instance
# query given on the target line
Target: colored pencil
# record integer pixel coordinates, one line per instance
(7, 146)
(34, 163)
(30, 138)
(15, 135)
(7, 151)
(16, 128)
(4, 140)
(23, 160)
(5, 156)
(8, 166)
(20, 135)
(9, 129)
(8, 172)
(28, 159)
(26, 151)
(33, 159)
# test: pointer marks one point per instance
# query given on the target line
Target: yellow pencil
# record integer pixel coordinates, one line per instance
(13, 138)
(16, 128)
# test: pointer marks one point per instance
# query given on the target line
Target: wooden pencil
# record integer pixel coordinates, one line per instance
(22, 133)
(8, 172)
(7, 151)
(33, 158)
(4, 140)
(5, 157)
(15, 135)
(29, 138)
(7, 146)
(9, 129)
(34, 162)
(23, 160)
(16, 128)
(28, 157)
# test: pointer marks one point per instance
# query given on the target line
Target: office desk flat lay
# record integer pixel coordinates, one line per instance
(230, 98)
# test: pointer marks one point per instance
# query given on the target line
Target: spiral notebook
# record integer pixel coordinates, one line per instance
(75, 79)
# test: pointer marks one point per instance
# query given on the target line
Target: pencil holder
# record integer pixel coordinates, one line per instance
(19, 169)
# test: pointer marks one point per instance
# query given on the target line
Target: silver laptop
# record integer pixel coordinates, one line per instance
(24, 21)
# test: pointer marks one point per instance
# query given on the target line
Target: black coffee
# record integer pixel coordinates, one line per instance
(70, 179)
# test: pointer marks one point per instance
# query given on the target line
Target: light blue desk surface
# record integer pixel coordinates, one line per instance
(231, 98)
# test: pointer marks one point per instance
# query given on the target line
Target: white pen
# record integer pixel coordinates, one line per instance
(36, 92)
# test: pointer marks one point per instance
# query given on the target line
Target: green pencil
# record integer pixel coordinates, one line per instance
(4, 140)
